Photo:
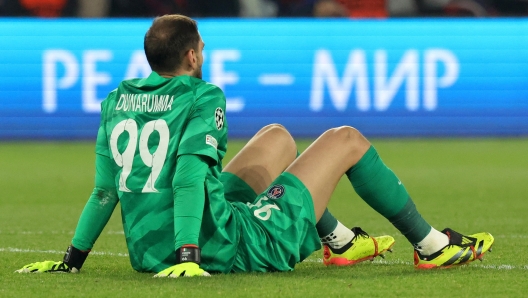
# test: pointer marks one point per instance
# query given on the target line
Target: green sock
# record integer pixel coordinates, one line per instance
(379, 187)
(410, 223)
(326, 224)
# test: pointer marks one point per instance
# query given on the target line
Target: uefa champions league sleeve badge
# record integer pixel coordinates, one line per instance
(219, 118)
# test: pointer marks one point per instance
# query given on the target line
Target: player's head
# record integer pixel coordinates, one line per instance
(173, 43)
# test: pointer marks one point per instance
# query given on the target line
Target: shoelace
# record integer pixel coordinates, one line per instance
(359, 233)
(459, 240)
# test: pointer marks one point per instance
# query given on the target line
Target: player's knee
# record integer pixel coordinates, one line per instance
(272, 127)
(345, 132)
(276, 130)
(279, 136)
(348, 136)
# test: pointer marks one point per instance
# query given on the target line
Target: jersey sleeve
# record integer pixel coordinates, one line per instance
(206, 125)
(99, 207)
(101, 145)
(189, 199)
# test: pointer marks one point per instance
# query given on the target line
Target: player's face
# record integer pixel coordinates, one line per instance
(197, 73)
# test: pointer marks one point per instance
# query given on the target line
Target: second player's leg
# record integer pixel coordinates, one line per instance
(345, 151)
(328, 158)
(320, 168)
(272, 150)
(260, 162)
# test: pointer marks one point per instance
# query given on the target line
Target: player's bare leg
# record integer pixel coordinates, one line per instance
(262, 160)
(322, 165)
(320, 168)
(344, 150)
(264, 157)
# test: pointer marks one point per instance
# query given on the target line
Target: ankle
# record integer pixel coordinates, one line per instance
(433, 242)
(339, 237)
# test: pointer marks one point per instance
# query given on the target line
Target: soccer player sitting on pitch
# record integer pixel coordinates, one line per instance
(159, 152)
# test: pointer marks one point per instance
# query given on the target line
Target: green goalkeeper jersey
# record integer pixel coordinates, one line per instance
(146, 124)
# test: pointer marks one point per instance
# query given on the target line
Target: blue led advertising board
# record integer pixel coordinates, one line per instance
(404, 77)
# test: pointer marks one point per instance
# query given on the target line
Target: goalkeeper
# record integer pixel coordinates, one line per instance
(159, 153)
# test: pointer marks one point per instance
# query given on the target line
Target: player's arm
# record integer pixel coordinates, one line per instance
(96, 212)
(189, 200)
(94, 217)
(196, 153)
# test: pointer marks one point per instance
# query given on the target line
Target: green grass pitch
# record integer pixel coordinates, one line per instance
(470, 185)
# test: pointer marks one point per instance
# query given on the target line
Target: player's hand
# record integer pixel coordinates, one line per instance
(183, 269)
(47, 266)
(71, 263)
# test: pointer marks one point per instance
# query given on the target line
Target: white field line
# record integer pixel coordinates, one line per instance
(120, 232)
(59, 252)
(311, 260)
(115, 233)
(512, 236)
(401, 262)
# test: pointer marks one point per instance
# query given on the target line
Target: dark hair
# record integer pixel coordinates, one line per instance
(168, 39)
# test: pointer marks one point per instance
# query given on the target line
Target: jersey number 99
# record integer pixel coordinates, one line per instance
(153, 160)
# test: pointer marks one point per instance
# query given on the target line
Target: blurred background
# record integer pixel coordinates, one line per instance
(391, 68)
(264, 8)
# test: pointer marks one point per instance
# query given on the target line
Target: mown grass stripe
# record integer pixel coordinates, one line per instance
(309, 260)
